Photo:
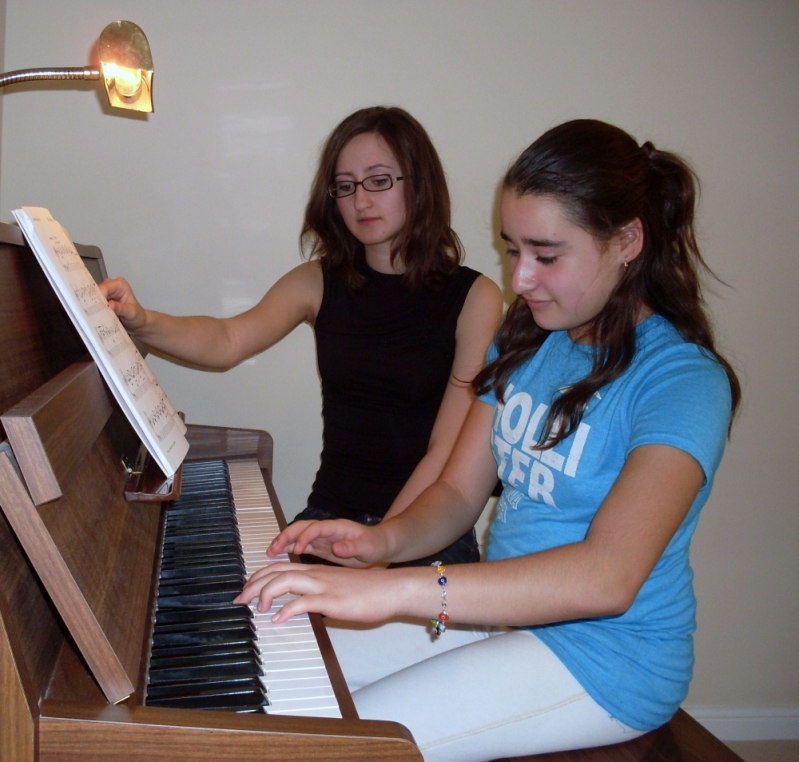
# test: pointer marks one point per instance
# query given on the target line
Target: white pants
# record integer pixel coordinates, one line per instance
(473, 694)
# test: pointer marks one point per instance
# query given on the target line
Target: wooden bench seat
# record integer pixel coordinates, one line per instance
(681, 740)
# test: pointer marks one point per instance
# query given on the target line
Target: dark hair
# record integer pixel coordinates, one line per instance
(428, 246)
(604, 180)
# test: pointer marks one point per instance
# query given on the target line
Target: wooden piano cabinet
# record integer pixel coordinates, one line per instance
(206, 442)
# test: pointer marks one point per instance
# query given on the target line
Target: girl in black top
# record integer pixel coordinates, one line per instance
(401, 326)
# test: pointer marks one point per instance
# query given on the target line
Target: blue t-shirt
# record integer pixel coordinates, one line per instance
(637, 665)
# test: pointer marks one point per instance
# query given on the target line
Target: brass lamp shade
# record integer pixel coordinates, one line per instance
(127, 66)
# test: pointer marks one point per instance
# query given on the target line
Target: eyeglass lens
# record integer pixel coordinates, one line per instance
(373, 184)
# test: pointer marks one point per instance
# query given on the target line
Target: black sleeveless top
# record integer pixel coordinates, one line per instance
(385, 355)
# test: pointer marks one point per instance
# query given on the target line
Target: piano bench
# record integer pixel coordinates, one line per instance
(682, 739)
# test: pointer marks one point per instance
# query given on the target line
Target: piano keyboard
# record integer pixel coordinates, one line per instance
(206, 652)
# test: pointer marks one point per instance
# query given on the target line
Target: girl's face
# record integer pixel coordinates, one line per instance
(562, 273)
(374, 218)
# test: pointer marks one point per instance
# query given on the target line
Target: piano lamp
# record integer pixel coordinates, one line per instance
(126, 68)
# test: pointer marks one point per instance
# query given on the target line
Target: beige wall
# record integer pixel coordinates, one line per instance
(200, 204)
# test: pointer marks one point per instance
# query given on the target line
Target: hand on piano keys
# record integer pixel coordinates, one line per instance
(346, 542)
(355, 595)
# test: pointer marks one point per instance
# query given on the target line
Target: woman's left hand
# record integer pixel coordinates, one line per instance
(357, 595)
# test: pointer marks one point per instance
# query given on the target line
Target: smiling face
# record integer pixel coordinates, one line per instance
(374, 218)
(565, 276)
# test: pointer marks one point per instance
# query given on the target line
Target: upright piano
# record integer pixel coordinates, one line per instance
(81, 543)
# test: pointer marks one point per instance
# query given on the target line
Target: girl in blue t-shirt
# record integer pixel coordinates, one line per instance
(604, 409)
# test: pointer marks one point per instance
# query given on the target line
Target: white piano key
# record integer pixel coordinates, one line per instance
(296, 678)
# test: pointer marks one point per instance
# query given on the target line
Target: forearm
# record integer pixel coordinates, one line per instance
(426, 472)
(200, 340)
(434, 520)
(558, 585)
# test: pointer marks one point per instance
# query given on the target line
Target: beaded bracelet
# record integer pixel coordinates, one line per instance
(439, 624)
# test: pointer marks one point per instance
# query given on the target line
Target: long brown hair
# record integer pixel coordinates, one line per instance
(604, 180)
(428, 247)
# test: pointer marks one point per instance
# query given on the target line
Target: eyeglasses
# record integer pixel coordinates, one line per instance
(373, 184)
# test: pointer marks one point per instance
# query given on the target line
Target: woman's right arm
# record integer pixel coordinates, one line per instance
(221, 343)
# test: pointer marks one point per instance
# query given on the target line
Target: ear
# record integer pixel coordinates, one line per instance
(631, 240)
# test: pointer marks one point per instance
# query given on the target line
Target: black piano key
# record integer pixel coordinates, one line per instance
(230, 587)
(166, 652)
(210, 582)
(200, 637)
(210, 554)
(242, 626)
(201, 514)
(218, 694)
(209, 536)
(197, 630)
(200, 492)
(232, 612)
(217, 501)
(198, 522)
(258, 705)
(197, 570)
(221, 654)
(207, 670)
(198, 599)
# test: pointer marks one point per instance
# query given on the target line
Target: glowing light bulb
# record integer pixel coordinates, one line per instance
(128, 82)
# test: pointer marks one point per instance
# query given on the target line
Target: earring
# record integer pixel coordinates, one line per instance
(625, 266)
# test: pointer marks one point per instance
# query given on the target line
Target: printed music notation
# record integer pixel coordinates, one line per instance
(114, 340)
(89, 298)
(124, 369)
(69, 258)
(160, 419)
(137, 381)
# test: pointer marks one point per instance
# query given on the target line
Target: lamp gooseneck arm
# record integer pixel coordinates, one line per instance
(30, 75)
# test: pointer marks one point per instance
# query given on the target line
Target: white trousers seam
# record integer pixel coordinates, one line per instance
(507, 721)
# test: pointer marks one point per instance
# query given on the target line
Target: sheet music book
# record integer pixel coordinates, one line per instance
(124, 369)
